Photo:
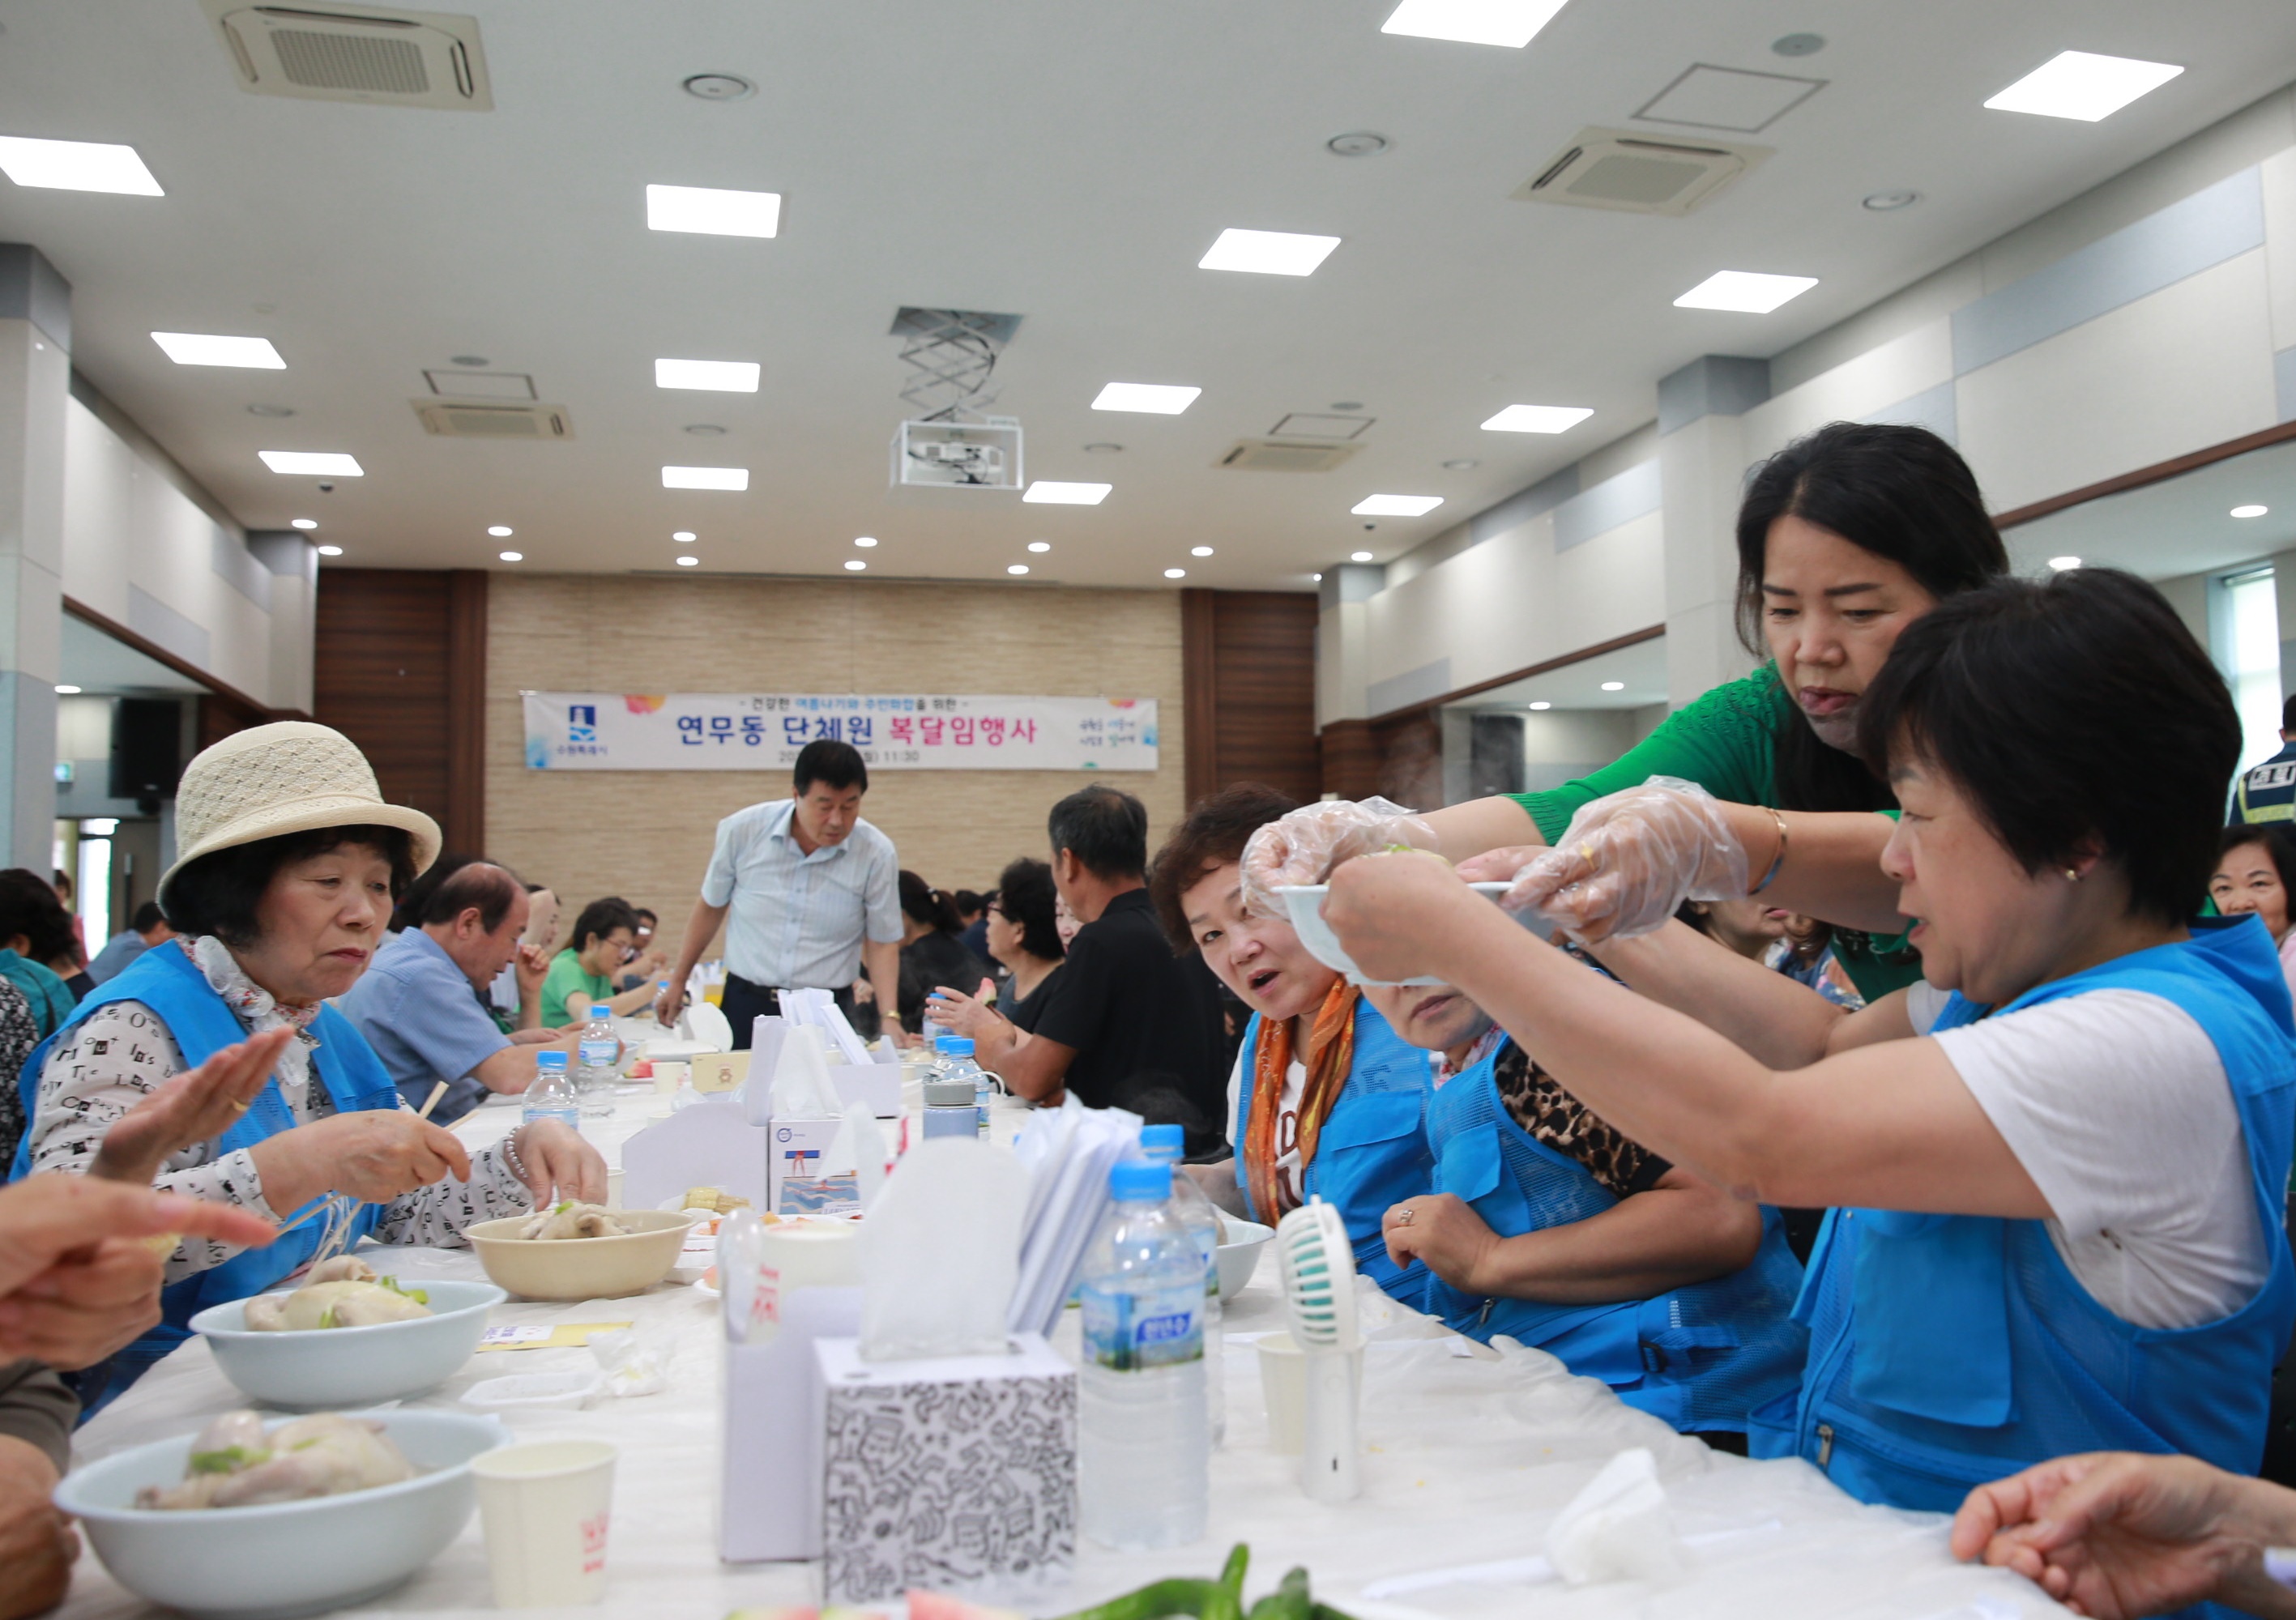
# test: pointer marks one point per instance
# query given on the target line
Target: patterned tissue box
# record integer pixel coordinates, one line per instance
(957, 1473)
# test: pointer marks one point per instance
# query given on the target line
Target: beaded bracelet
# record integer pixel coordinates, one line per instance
(510, 1152)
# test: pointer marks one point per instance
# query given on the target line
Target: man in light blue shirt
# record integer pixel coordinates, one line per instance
(418, 1004)
(807, 892)
(149, 928)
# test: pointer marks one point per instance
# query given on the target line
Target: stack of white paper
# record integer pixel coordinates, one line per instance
(1068, 1152)
(819, 1009)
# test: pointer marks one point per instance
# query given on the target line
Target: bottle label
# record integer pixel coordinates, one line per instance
(599, 1054)
(1128, 1330)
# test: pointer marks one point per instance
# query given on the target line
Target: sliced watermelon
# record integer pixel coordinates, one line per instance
(940, 1606)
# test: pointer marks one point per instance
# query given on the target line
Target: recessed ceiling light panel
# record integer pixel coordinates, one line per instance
(303, 523)
(1176, 573)
(500, 531)
(67, 691)
(1542, 706)
(684, 537)
(1536, 419)
(513, 556)
(1614, 686)
(1040, 546)
(1045, 491)
(1746, 292)
(2061, 563)
(1152, 398)
(319, 464)
(689, 562)
(718, 376)
(864, 541)
(76, 166)
(1396, 506)
(1512, 24)
(1268, 252)
(1200, 550)
(331, 551)
(707, 212)
(204, 349)
(2081, 85)
(1016, 567)
(705, 477)
(2250, 511)
(855, 565)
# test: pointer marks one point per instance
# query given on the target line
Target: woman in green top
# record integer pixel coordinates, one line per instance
(1845, 537)
(585, 972)
(35, 929)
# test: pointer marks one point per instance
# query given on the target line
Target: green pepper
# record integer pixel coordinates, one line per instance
(1157, 1600)
(1226, 1602)
(229, 1460)
(1324, 1611)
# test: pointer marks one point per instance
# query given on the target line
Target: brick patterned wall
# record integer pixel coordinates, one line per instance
(646, 834)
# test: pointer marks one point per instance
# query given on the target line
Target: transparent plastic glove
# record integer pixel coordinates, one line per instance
(1631, 859)
(1304, 846)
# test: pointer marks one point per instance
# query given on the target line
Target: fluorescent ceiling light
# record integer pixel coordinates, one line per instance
(1745, 290)
(303, 523)
(855, 564)
(1046, 491)
(2061, 563)
(1176, 573)
(1536, 419)
(706, 211)
(1155, 399)
(719, 376)
(203, 348)
(1040, 545)
(2250, 510)
(1200, 550)
(1514, 23)
(684, 537)
(1016, 567)
(1542, 706)
(1396, 506)
(864, 541)
(1360, 556)
(66, 691)
(331, 551)
(705, 477)
(76, 166)
(689, 562)
(500, 531)
(2080, 85)
(322, 463)
(1268, 252)
(513, 556)
(1614, 686)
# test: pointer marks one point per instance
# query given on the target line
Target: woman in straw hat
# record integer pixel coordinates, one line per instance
(291, 862)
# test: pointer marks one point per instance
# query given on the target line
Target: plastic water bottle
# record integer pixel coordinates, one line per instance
(958, 1064)
(1143, 1444)
(1165, 1144)
(594, 1078)
(550, 1095)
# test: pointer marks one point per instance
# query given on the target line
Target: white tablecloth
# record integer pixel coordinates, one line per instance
(1467, 1459)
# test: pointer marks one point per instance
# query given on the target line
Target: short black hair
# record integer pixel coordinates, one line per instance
(1026, 895)
(921, 901)
(1214, 834)
(1105, 827)
(474, 884)
(833, 763)
(646, 919)
(29, 906)
(148, 916)
(2288, 714)
(601, 918)
(2279, 841)
(2077, 710)
(217, 893)
(414, 900)
(968, 902)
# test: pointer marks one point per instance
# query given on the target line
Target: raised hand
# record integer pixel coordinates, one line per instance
(196, 1106)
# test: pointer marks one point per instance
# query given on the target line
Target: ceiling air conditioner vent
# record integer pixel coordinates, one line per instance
(378, 55)
(1639, 174)
(472, 419)
(1275, 455)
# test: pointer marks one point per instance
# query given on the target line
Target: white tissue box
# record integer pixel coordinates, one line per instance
(957, 1473)
(877, 1084)
(794, 1185)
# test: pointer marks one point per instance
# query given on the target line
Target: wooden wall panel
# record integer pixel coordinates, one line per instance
(1250, 664)
(465, 825)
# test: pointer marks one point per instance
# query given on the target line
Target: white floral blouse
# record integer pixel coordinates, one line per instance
(122, 1052)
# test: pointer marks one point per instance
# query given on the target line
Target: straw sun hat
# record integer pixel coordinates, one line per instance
(291, 776)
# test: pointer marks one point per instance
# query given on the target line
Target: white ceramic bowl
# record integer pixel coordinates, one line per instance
(1305, 904)
(582, 1268)
(1238, 1254)
(281, 1559)
(346, 1367)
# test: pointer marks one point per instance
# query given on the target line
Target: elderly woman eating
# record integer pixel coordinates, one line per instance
(292, 863)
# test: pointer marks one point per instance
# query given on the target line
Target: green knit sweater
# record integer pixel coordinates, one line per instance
(1726, 742)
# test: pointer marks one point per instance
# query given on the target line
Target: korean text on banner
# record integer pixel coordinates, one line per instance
(583, 730)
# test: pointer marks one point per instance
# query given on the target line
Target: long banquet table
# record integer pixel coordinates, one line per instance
(1467, 1458)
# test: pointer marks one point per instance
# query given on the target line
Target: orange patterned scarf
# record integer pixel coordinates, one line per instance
(1331, 1054)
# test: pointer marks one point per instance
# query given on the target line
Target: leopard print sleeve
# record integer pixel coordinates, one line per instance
(1536, 1101)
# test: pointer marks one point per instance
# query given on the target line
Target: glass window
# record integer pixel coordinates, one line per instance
(2253, 620)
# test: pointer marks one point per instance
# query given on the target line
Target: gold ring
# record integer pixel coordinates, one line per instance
(240, 1108)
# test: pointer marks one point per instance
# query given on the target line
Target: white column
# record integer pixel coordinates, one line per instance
(35, 383)
(1343, 639)
(1701, 464)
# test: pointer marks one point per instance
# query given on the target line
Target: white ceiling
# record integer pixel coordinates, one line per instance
(2182, 525)
(1640, 670)
(1069, 163)
(93, 662)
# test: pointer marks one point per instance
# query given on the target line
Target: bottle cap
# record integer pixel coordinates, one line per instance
(943, 1044)
(948, 1094)
(1165, 1143)
(1140, 1180)
(959, 1046)
(550, 1061)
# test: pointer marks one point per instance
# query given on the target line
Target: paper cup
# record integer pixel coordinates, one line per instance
(545, 1508)
(803, 1255)
(1284, 1380)
(668, 1074)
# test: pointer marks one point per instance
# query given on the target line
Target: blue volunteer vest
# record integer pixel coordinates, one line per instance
(166, 981)
(1950, 1350)
(1372, 1151)
(1699, 1357)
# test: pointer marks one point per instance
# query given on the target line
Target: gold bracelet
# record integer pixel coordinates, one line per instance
(1776, 861)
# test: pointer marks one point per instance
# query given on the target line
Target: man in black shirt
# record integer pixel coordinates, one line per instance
(1127, 1023)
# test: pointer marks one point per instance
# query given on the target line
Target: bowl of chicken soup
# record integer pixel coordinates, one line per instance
(581, 1251)
(347, 1335)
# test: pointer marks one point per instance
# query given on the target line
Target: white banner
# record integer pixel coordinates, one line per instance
(591, 731)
